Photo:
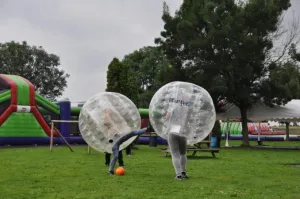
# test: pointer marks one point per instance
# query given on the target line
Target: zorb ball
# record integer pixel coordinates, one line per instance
(107, 116)
(184, 109)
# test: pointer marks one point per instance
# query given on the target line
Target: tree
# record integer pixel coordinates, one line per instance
(294, 55)
(115, 76)
(36, 65)
(282, 85)
(223, 46)
(152, 70)
(121, 79)
(285, 39)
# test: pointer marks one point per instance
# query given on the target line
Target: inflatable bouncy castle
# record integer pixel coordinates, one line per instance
(25, 115)
(235, 128)
(21, 109)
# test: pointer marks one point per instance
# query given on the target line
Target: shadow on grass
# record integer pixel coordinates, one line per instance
(189, 157)
(277, 147)
(292, 164)
(202, 158)
(263, 147)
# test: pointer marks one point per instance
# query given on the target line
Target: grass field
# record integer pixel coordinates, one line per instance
(29, 173)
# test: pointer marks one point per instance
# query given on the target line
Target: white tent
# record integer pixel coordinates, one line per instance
(287, 113)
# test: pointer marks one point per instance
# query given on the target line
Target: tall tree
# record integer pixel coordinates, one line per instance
(115, 76)
(282, 85)
(224, 45)
(122, 79)
(36, 65)
(152, 70)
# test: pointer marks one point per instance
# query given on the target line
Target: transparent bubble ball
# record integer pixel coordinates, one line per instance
(184, 109)
(107, 116)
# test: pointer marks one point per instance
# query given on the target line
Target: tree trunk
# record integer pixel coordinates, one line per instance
(287, 131)
(244, 126)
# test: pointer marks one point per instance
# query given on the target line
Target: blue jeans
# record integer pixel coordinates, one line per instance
(116, 146)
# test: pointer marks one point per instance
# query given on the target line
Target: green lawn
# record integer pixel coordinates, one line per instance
(236, 173)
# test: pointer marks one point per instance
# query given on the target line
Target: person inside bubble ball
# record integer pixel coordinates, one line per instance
(110, 122)
(118, 143)
(179, 105)
(119, 138)
(111, 132)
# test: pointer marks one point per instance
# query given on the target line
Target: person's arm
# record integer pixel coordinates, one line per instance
(168, 116)
(107, 115)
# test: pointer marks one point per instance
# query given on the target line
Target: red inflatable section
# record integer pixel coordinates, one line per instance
(31, 91)
(265, 129)
(145, 123)
(42, 122)
(7, 113)
(13, 88)
(14, 99)
(14, 102)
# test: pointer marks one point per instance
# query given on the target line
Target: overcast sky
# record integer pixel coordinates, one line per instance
(86, 34)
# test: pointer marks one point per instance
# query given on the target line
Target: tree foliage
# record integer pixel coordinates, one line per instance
(36, 65)
(295, 56)
(122, 79)
(223, 46)
(282, 85)
(152, 70)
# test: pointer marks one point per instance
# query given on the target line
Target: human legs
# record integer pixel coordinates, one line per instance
(120, 158)
(128, 150)
(116, 147)
(107, 158)
(183, 158)
(174, 148)
(112, 164)
(177, 146)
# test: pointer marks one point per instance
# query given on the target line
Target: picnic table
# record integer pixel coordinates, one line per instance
(197, 148)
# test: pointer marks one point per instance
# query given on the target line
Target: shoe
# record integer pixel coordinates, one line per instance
(110, 173)
(178, 178)
(107, 165)
(183, 174)
(121, 165)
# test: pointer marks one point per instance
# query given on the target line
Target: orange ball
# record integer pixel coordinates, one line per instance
(120, 171)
